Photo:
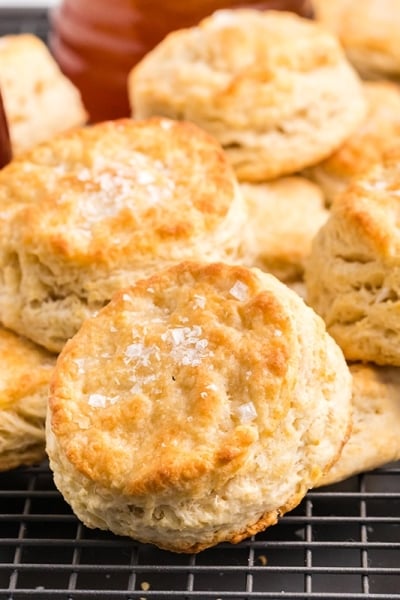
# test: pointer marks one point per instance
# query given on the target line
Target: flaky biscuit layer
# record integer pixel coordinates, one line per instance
(25, 371)
(353, 274)
(374, 439)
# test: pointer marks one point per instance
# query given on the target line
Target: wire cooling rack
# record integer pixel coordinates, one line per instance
(342, 542)
(27, 20)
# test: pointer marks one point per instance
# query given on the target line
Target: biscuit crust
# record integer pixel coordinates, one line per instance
(353, 273)
(379, 131)
(94, 208)
(374, 439)
(25, 372)
(273, 88)
(368, 31)
(284, 217)
(196, 407)
(39, 100)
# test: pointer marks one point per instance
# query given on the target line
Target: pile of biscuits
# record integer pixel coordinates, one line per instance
(157, 266)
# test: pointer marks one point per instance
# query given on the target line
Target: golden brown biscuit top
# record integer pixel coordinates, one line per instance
(369, 25)
(103, 193)
(368, 212)
(236, 40)
(228, 52)
(24, 368)
(378, 132)
(176, 377)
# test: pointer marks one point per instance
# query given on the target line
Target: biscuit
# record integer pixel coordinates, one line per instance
(25, 372)
(284, 216)
(368, 31)
(199, 405)
(89, 211)
(379, 131)
(275, 89)
(353, 273)
(374, 440)
(39, 100)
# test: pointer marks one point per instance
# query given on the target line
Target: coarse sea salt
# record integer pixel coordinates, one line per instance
(187, 346)
(106, 193)
(80, 363)
(141, 355)
(133, 351)
(101, 401)
(139, 382)
(212, 386)
(246, 412)
(199, 301)
(108, 182)
(239, 290)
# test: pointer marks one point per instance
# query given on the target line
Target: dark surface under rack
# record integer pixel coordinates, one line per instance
(342, 542)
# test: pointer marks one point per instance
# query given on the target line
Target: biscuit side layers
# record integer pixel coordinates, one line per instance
(25, 371)
(374, 440)
(353, 273)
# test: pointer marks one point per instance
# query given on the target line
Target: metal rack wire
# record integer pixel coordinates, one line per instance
(27, 20)
(342, 542)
